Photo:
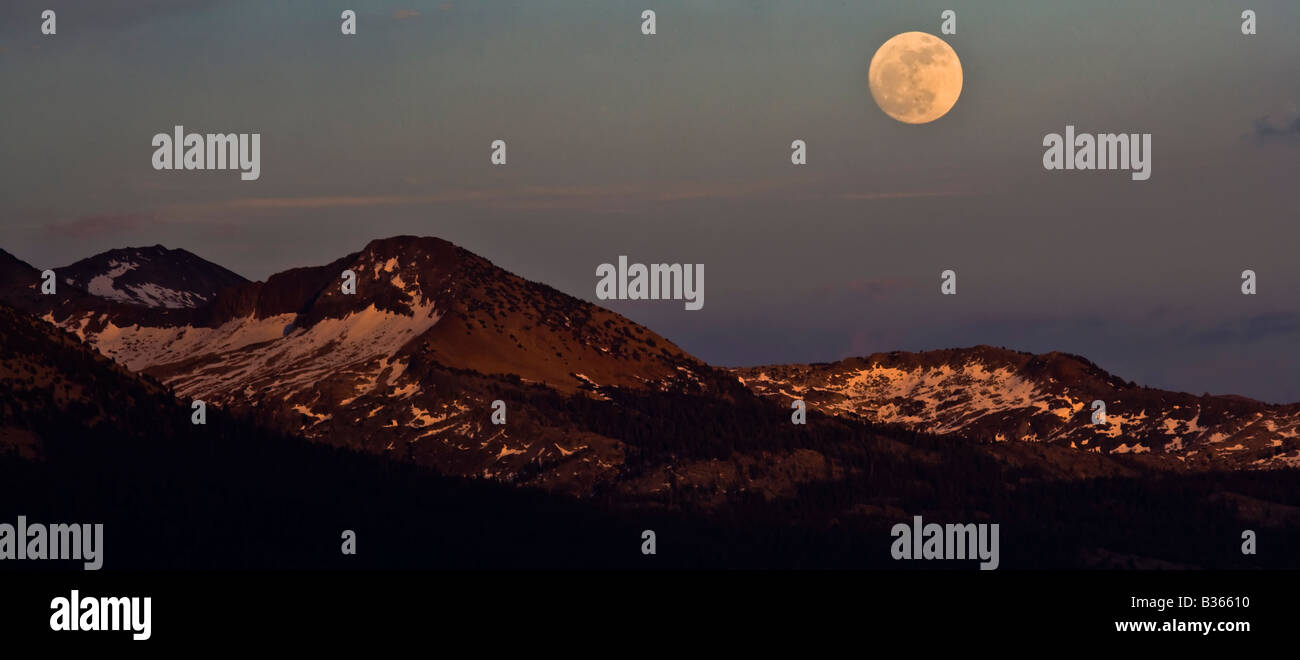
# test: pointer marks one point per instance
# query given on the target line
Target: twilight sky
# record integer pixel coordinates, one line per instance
(675, 148)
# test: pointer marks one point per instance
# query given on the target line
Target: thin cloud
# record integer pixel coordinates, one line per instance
(878, 287)
(902, 195)
(1255, 328)
(345, 201)
(1269, 129)
(98, 225)
(539, 197)
(869, 288)
(608, 198)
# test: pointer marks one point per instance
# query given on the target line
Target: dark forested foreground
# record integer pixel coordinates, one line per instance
(247, 499)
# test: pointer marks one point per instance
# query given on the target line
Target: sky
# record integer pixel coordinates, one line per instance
(676, 148)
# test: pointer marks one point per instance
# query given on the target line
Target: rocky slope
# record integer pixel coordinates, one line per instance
(997, 395)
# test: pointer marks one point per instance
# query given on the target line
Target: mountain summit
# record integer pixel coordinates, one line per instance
(150, 277)
(410, 361)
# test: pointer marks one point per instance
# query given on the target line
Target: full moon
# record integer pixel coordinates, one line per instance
(915, 77)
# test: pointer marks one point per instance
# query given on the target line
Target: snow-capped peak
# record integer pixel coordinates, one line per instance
(149, 277)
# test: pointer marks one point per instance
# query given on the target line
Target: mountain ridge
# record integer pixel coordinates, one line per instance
(993, 394)
(434, 333)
